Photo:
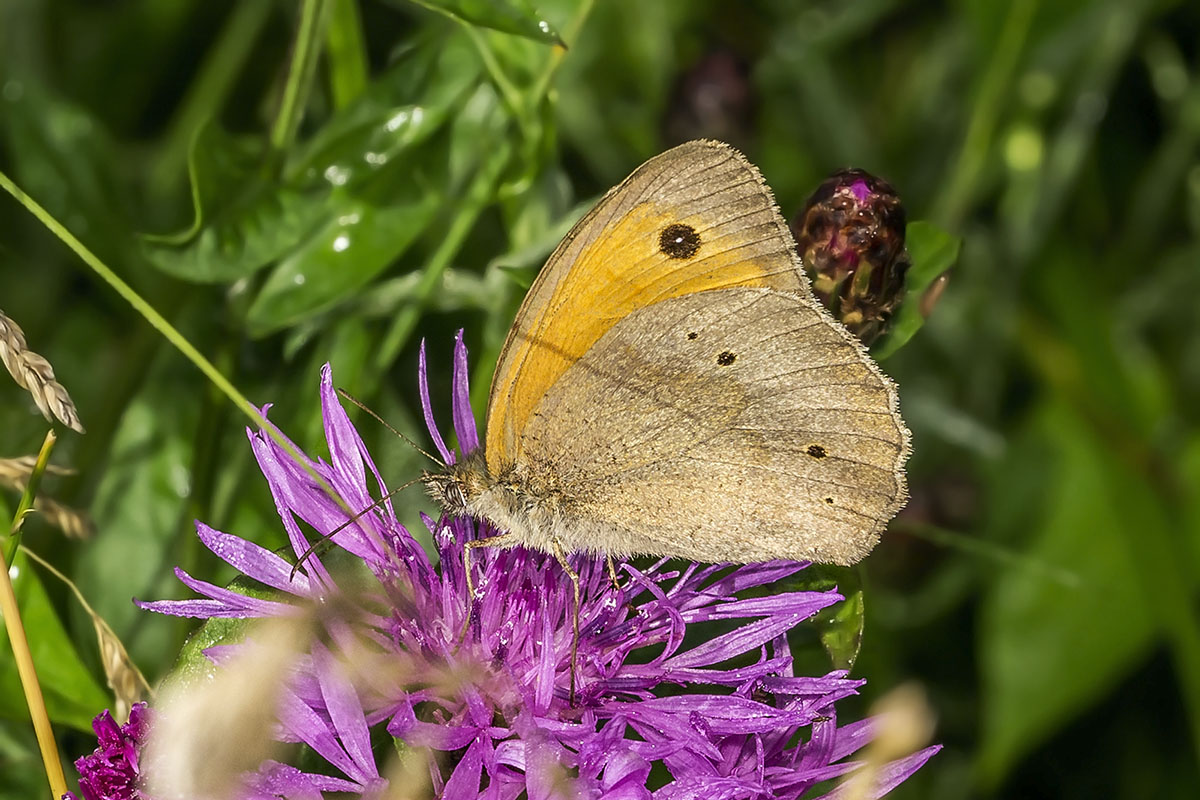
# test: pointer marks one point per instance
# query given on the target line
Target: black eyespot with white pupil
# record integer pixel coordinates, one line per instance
(726, 358)
(679, 241)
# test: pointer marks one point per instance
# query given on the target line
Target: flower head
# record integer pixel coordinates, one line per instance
(112, 770)
(721, 711)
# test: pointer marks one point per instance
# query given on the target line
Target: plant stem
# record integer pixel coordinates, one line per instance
(479, 195)
(347, 53)
(20, 643)
(30, 493)
(570, 32)
(300, 77)
(952, 206)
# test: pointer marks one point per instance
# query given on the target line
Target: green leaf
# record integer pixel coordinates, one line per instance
(335, 264)
(842, 629)
(217, 161)
(841, 625)
(63, 157)
(362, 157)
(508, 16)
(72, 695)
(933, 252)
(1049, 649)
(402, 109)
(24, 775)
(240, 223)
(141, 508)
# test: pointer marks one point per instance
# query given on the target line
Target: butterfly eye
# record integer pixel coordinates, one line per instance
(679, 241)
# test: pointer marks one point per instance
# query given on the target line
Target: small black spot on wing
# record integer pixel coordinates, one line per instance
(692, 334)
(679, 241)
(725, 358)
(816, 451)
(829, 500)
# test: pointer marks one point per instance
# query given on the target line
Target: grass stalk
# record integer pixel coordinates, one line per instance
(16, 632)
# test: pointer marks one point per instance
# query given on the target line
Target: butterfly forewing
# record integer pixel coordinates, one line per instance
(696, 218)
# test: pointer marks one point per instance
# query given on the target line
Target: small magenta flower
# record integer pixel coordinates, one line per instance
(112, 770)
(684, 671)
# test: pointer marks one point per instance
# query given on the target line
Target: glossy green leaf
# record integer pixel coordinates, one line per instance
(840, 626)
(73, 696)
(218, 164)
(509, 16)
(842, 629)
(933, 252)
(241, 224)
(402, 109)
(338, 261)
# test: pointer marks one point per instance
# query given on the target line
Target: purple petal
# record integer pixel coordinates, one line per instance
(427, 407)
(343, 444)
(199, 609)
(346, 712)
(888, 777)
(736, 642)
(719, 715)
(252, 560)
(464, 781)
(249, 606)
(460, 399)
(751, 575)
(299, 719)
(282, 780)
(796, 604)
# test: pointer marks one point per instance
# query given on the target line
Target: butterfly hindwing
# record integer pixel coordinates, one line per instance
(736, 424)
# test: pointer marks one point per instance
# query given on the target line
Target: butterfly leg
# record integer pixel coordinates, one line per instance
(574, 576)
(612, 572)
(502, 540)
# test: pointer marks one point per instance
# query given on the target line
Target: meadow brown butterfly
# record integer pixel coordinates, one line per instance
(671, 387)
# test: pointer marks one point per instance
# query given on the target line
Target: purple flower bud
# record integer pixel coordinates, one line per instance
(850, 236)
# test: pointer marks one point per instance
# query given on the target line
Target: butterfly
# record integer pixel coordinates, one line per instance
(671, 387)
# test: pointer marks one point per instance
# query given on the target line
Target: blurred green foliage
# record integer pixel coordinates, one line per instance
(291, 184)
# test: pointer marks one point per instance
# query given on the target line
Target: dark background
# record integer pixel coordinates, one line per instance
(1042, 582)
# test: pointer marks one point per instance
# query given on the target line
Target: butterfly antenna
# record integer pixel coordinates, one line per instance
(326, 537)
(347, 396)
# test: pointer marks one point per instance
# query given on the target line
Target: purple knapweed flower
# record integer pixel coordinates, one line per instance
(112, 770)
(684, 671)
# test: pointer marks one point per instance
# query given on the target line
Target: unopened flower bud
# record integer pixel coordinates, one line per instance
(850, 236)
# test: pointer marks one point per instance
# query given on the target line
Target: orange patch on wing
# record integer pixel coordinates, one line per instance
(621, 271)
